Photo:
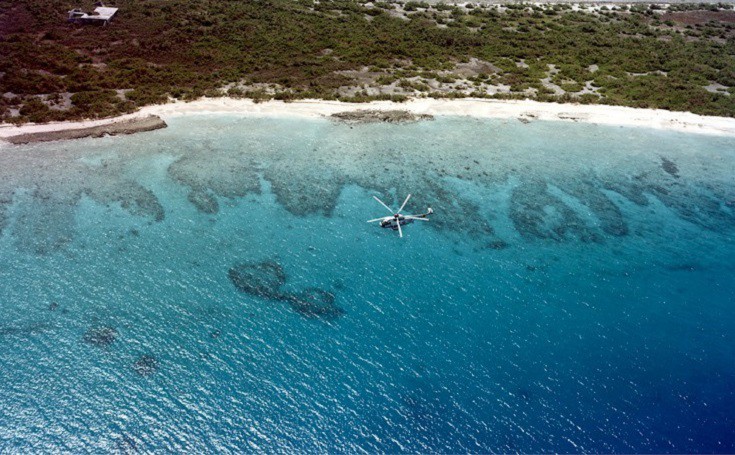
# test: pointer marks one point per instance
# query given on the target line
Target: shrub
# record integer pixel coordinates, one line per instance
(36, 111)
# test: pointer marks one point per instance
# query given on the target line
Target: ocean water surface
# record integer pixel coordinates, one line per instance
(214, 287)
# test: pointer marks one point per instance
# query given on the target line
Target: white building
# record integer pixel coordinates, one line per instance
(102, 15)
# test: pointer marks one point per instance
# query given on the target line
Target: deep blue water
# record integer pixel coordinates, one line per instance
(573, 292)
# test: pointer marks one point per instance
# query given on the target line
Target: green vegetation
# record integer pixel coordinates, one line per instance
(291, 49)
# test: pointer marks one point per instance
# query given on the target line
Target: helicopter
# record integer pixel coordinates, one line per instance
(396, 220)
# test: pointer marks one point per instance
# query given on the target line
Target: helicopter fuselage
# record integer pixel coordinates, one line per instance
(397, 220)
(391, 222)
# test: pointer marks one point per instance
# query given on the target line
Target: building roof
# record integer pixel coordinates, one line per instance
(104, 12)
(101, 13)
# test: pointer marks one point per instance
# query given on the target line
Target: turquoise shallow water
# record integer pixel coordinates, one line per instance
(214, 287)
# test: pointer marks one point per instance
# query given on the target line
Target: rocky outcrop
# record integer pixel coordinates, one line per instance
(377, 116)
(130, 126)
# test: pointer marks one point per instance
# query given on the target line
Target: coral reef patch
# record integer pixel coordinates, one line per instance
(233, 174)
(537, 214)
(44, 221)
(204, 202)
(100, 336)
(5, 200)
(23, 331)
(554, 193)
(131, 196)
(266, 279)
(41, 192)
(315, 303)
(670, 167)
(261, 279)
(146, 365)
(608, 215)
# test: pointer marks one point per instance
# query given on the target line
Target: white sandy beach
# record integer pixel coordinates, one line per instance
(480, 108)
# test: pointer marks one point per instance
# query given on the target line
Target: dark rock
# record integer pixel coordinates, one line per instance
(53, 306)
(262, 279)
(129, 126)
(146, 365)
(100, 336)
(375, 116)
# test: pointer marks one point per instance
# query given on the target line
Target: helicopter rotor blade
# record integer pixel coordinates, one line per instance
(376, 219)
(404, 203)
(417, 218)
(383, 204)
(400, 232)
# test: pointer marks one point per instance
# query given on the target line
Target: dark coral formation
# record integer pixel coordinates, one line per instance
(630, 188)
(554, 193)
(262, 279)
(44, 221)
(231, 175)
(670, 167)
(100, 336)
(537, 214)
(146, 365)
(448, 201)
(497, 245)
(315, 192)
(127, 445)
(45, 189)
(5, 200)
(608, 214)
(575, 207)
(700, 204)
(131, 196)
(315, 303)
(23, 331)
(265, 280)
(204, 202)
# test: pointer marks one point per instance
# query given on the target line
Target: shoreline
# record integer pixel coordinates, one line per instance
(525, 110)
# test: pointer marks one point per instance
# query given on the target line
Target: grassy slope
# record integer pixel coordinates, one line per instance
(189, 48)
